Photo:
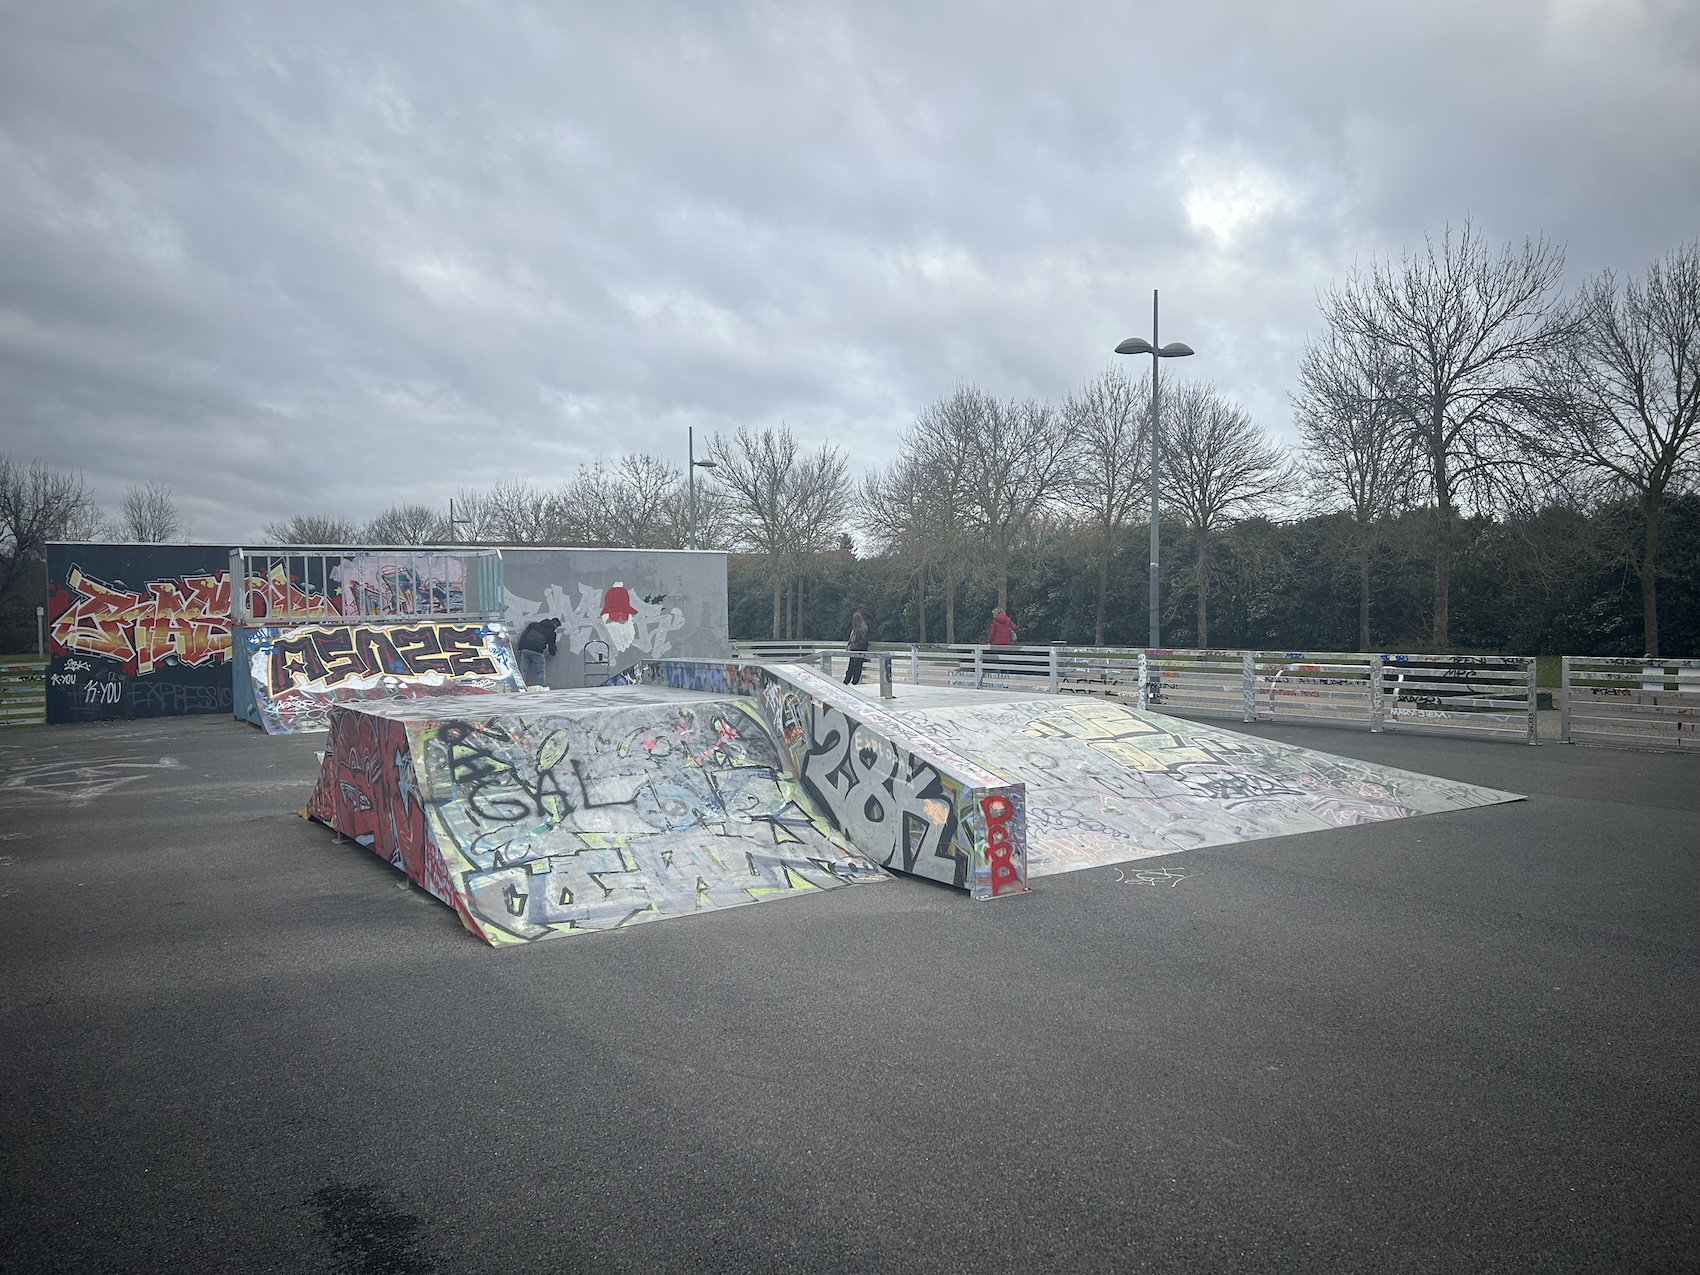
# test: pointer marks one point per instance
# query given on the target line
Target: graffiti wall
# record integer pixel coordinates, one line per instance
(618, 607)
(137, 631)
(541, 815)
(905, 799)
(296, 673)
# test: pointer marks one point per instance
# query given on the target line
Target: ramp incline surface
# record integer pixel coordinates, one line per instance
(903, 799)
(1106, 783)
(545, 813)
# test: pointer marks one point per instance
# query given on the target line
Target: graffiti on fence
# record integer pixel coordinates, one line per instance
(298, 672)
(355, 584)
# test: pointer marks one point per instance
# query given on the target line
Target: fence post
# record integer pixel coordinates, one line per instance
(1144, 699)
(1056, 669)
(914, 665)
(885, 677)
(1377, 704)
(1564, 700)
(979, 666)
(824, 659)
(1534, 702)
(1248, 687)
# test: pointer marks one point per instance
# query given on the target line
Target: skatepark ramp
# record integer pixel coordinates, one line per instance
(1106, 783)
(545, 813)
(702, 784)
(903, 798)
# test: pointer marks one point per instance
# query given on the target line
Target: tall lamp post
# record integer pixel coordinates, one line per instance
(695, 464)
(1173, 350)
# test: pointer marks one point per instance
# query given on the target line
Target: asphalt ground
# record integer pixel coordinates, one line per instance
(1452, 1043)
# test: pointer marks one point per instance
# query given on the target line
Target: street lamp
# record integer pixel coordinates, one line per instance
(1174, 350)
(691, 454)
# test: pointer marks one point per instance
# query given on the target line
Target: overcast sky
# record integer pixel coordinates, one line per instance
(322, 256)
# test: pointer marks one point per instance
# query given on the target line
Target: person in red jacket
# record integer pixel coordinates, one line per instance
(1003, 630)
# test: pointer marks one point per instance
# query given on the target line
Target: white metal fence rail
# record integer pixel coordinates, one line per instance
(1644, 703)
(23, 694)
(1491, 696)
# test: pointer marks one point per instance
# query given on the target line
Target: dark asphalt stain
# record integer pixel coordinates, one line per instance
(370, 1234)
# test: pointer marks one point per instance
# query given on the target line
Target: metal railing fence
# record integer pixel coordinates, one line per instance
(1492, 696)
(23, 694)
(344, 585)
(1642, 703)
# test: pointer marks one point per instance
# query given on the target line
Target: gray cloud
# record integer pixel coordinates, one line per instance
(320, 256)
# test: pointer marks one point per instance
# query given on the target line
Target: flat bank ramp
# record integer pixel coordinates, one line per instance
(901, 797)
(1106, 783)
(550, 812)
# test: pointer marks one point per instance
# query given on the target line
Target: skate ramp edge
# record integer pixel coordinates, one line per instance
(548, 813)
(902, 798)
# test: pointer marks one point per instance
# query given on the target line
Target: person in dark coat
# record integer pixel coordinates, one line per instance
(536, 645)
(858, 642)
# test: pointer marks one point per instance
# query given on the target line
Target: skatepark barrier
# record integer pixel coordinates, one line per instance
(1645, 702)
(23, 694)
(903, 799)
(1484, 696)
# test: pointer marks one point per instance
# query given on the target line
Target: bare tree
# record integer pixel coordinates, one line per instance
(933, 488)
(407, 525)
(1109, 420)
(909, 518)
(313, 529)
(518, 513)
(1623, 399)
(1218, 466)
(1008, 463)
(1359, 456)
(1466, 328)
(38, 504)
(646, 491)
(784, 504)
(148, 513)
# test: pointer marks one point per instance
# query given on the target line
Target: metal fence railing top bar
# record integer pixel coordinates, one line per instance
(1489, 696)
(332, 585)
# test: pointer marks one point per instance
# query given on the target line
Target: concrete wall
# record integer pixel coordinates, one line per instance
(628, 605)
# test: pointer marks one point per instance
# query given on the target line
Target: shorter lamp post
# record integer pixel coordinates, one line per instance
(1173, 350)
(695, 464)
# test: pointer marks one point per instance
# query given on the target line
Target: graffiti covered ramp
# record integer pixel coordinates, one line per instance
(546, 813)
(1106, 783)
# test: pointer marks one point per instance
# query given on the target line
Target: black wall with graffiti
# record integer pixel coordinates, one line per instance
(137, 631)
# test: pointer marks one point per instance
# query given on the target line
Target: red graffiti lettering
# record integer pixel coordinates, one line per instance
(999, 852)
(183, 618)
